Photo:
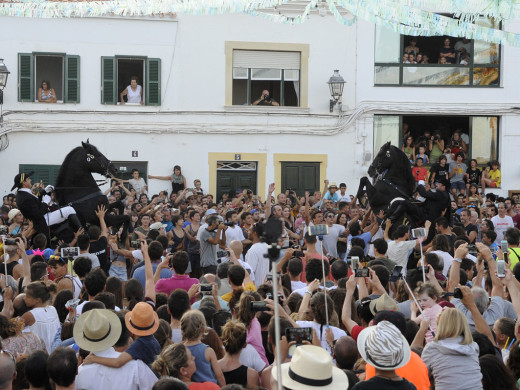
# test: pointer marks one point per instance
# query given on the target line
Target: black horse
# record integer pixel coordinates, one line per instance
(75, 185)
(393, 178)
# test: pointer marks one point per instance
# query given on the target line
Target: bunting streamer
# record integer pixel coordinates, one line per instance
(408, 17)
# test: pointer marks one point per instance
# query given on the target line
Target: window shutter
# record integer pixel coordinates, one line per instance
(108, 77)
(258, 59)
(25, 77)
(153, 82)
(45, 173)
(71, 79)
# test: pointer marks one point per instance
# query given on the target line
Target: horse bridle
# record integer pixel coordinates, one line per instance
(380, 175)
(92, 158)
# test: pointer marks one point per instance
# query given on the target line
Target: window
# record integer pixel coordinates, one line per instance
(61, 71)
(280, 68)
(480, 133)
(117, 72)
(46, 173)
(255, 71)
(436, 61)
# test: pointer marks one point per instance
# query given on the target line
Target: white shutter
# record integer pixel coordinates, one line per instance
(266, 59)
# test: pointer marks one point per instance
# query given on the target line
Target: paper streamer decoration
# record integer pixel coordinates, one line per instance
(409, 17)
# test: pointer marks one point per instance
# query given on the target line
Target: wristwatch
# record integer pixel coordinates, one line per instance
(457, 259)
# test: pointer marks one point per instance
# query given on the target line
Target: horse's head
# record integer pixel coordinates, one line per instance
(97, 162)
(382, 161)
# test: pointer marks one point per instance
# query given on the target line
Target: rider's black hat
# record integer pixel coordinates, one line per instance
(443, 182)
(20, 178)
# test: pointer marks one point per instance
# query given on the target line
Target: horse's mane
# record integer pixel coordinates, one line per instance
(62, 174)
(404, 168)
(65, 166)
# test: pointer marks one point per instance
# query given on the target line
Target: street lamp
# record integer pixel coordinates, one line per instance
(336, 84)
(3, 79)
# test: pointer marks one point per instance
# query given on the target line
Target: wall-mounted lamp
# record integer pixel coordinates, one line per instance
(336, 84)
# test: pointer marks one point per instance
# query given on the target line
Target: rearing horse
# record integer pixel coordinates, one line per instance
(75, 185)
(393, 178)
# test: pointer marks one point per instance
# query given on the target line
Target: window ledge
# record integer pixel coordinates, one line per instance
(267, 109)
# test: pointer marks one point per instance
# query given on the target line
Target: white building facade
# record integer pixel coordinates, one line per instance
(200, 75)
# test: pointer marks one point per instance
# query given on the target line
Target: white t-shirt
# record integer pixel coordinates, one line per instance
(260, 265)
(330, 240)
(296, 285)
(138, 185)
(249, 357)
(398, 251)
(234, 233)
(336, 331)
(501, 225)
(447, 259)
(343, 198)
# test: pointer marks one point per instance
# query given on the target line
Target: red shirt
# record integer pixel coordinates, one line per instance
(419, 173)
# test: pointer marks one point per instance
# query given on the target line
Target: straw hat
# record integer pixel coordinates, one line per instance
(384, 302)
(333, 185)
(311, 368)
(142, 320)
(97, 330)
(384, 346)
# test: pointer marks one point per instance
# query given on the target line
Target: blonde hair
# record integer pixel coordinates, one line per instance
(193, 325)
(170, 361)
(452, 323)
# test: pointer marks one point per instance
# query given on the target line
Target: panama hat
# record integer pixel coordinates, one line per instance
(311, 368)
(384, 302)
(157, 226)
(12, 213)
(384, 346)
(97, 330)
(142, 320)
(333, 185)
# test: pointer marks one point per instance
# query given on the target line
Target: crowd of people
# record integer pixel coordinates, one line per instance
(448, 54)
(448, 161)
(185, 300)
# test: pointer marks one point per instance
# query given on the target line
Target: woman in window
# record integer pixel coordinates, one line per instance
(409, 147)
(133, 93)
(177, 179)
(436, 144)
(412, 48)
(46, 94)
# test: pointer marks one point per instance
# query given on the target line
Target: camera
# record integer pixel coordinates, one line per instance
(457, 293)
(270, 296)
(206, 289)
(361, 272)
(70, 252)
(298, 335)
(435, 138)
(221, 254)
(456, 143)
(269, 277)
(135, 244)
(10, 241)
(472, 249)
(259, 306)
(297, 251)
(267, 98)
(229, 223)
(71, 304)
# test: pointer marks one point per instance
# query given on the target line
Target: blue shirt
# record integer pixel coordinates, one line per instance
(139, 273)
(144, 348)
(169, 226)
(365, 237)
(334, 197)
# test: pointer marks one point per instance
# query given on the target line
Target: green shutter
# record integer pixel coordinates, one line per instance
(25, 77)
(71, 79)
(45, 173)
(153, 82)
(108, 77)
